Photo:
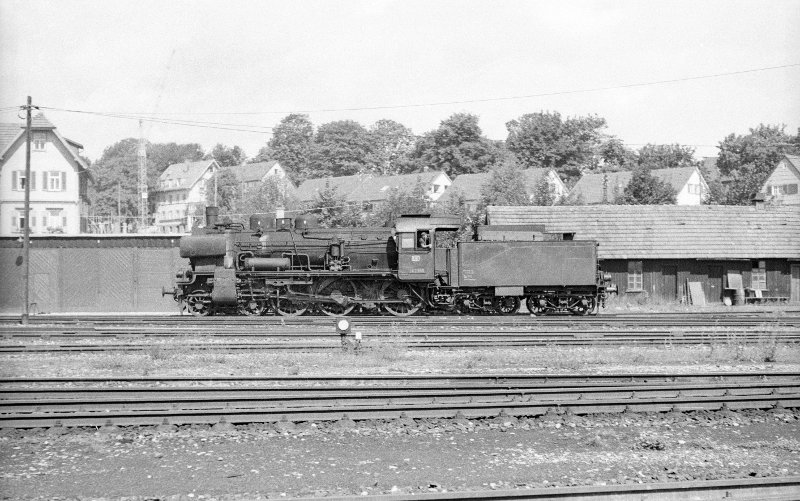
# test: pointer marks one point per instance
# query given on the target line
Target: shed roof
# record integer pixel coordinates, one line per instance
(363, 188)
(590, 186)
(471, 184)
(187, 173)
(670, 231)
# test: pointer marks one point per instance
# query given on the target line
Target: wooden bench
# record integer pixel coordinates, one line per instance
(756, 296)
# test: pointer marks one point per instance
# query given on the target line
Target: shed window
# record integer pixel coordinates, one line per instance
(635, 282)
(758, 278)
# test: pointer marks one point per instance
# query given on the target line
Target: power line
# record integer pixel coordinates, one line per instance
(467, 101)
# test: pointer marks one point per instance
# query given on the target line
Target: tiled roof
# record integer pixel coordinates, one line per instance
(590, 186)
(39, 121)
(187, 173)
(470, 184)
(670, 231)
(8, 133)
(249, 173)
(363, 188)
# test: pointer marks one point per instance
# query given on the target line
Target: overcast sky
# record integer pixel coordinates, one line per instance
(250, 63)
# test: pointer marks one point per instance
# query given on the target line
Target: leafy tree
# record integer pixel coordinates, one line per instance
(402, 201)
(646, 189)
(228, 191)
(457, 147)
(392, 143)
(748, 160)
(341, 148)
(227, 157)
(616, 156)
(333, 210)
(543, 192)
(545, 140)
(116, 173)
(291, 145)
(666, 156)
(270, 195)
(456, 205)
(505, 186)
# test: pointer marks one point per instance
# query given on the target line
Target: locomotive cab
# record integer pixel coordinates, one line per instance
(420, 256)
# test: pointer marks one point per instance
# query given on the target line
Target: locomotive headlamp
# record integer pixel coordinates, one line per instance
(342, 326)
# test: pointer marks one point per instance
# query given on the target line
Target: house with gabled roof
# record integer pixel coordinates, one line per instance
(252, 176)
(370, 189)
(657, 250)
(781, 187)
(469, 186)
(58, 181)
(602, 188)
(181, 191)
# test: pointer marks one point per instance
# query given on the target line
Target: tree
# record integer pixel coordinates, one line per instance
(646, 189)
(227, 157)
(228, 191)
(291, 145)
(334, 211)
(402, 201)
(506, 186)
(616, 156)
(341, 148)
(270, 195)
(666, 156)
(748, 160)
(543, 192)
(457, 147)
(392, 143)
(116, 173)
(544, 140)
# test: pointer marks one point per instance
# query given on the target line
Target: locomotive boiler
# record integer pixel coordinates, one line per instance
(291, 266)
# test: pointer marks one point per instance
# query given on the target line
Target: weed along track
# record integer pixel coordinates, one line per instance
(29, 404)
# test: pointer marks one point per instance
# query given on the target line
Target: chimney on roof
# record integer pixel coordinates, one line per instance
(425, 169)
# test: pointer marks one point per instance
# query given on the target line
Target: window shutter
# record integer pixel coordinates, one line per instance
(33, 181)
(63, 181)
(64, 221)
(44, 181)
(14, 180)
(33, 221)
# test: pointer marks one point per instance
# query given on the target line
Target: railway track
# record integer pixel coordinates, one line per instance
(742, 489)
(788, 318)
(28, 403)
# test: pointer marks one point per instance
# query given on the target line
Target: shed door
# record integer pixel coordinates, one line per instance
(714, 292)
(669, 288)
(795, 293)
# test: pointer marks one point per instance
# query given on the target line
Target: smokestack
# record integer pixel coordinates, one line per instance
(211, 216)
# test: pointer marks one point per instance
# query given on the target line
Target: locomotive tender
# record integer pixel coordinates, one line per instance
(291, 266)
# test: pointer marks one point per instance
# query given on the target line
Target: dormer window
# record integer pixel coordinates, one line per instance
(39, 141)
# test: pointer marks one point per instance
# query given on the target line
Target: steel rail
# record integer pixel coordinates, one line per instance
(312, 404)
(742, 489)
(363, 379)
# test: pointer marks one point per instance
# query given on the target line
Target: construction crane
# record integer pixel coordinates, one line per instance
(142, 160)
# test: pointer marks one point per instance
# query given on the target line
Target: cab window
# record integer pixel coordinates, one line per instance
(423, 239)
(407, 241)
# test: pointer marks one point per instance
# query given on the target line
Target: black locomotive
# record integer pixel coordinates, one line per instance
(291, 266)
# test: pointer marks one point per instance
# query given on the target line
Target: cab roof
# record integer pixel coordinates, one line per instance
(415, 222)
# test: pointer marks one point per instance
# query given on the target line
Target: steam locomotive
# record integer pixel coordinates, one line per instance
(292, 266)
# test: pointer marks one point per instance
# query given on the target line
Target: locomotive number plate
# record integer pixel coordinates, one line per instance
(414, 258)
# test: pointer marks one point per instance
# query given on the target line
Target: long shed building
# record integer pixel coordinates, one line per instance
(657, 250)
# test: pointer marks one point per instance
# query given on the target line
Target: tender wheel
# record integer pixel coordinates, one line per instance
(198, 303)
(253, 307)
(342, 291)
(291, 307)
(580, 309)
(398, 291)
(506, 305)
(532, 303)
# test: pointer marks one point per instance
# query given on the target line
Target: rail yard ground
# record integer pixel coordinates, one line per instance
(402, 456)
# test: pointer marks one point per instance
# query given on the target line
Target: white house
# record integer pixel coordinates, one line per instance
(781, 187)
(602, 188)
(181, 195)
(250, 176)
(59, 177)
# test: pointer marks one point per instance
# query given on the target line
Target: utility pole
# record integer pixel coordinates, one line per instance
(26, 226)
(142, 157)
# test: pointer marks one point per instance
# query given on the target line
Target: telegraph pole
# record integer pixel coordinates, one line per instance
(26, 230)
(142, 157)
